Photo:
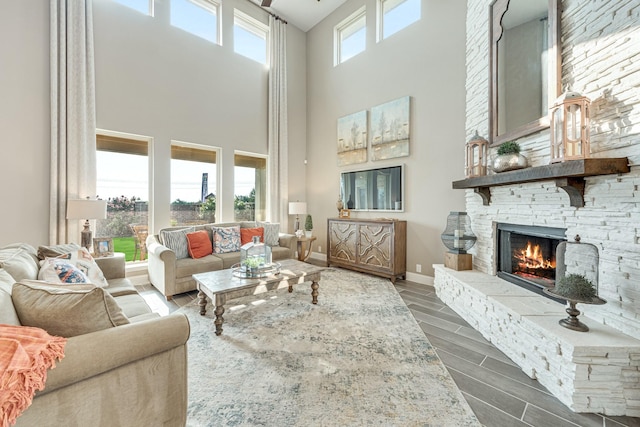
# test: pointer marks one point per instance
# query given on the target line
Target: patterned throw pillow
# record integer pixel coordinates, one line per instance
(271, 233)
(176, 240)
(60, 271)
(226, 239)
(74, 267)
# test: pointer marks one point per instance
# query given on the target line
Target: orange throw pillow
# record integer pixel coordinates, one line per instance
(199, 244)
(246, 234)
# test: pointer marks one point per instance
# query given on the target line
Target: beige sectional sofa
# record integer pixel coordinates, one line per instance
(171, 275)
(132, 374)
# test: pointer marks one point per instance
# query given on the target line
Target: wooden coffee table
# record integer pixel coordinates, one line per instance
(222, 285)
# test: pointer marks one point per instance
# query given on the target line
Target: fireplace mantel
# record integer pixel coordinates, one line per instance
(568, 176)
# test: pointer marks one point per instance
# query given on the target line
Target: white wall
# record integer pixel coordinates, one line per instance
(159, 81)
(425, 61)
(24, 121)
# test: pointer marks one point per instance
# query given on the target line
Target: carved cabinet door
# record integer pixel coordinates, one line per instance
(375, 245)
(342, 241)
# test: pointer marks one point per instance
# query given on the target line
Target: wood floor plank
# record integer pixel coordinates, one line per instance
(517, 389)
(490, 416)
(491, 396)
(485, 348)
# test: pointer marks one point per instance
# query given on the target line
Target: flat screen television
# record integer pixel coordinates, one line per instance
(380, 189)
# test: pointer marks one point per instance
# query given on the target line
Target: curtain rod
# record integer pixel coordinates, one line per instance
(270, 13)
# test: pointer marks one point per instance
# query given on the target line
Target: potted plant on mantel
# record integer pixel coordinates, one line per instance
(308, 226)
(509, 158)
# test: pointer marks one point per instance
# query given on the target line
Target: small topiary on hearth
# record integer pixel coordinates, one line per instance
(509, 147)
(575, 287)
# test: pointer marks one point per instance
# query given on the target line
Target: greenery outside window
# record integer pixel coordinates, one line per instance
(198, 17)
(193, 184)
(350, 36)
(122, 178)
(250, 37)
(250, 187)
(394, 15)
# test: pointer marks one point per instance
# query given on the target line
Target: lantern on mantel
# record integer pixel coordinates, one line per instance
(477, 153)
(570, 127)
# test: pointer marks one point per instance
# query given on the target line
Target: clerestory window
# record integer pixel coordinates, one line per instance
(142, 6)
(350, 36)
(198, 17)
(394, 15)
(250, 37)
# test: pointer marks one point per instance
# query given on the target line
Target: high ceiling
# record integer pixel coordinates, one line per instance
(304, 14)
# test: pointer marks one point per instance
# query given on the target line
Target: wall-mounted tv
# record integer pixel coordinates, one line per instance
(380, 189)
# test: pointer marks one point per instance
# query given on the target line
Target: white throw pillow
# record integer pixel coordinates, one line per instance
(72, 268)
(271, 232)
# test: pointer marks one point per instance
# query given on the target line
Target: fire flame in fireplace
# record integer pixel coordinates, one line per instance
(530, 258)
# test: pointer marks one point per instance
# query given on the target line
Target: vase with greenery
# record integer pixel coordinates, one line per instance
(308, 226)
(575, 288)
(508, 157)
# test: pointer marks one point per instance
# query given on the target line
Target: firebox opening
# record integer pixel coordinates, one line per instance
(526, 255)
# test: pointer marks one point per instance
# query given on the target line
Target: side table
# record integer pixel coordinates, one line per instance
(305, 247)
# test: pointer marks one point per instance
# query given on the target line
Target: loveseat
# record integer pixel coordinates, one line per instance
(133, 374)
(170, 266)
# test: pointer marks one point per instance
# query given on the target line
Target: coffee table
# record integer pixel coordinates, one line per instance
(221, 285)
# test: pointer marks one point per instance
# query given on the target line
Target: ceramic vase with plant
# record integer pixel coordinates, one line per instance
(509, 158)
(308, 226)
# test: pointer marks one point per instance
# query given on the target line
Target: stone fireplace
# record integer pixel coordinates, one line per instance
(596, 371)
(526, 255)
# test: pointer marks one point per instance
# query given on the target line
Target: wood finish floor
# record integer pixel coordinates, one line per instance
(497, 390)
(499, 393)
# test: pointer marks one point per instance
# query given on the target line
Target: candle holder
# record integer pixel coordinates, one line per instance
(458, 238)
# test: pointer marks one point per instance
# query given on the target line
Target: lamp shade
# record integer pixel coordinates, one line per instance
(86, 209)
(297, 208)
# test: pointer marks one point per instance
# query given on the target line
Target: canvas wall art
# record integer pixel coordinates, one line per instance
(352, 139)
(390, 129)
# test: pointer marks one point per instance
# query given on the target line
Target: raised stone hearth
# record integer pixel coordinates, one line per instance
(597, 371)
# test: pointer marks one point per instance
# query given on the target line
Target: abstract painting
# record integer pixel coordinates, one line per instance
(390, 129)
(352, 139)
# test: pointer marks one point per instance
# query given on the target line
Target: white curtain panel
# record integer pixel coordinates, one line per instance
(73, 114)
(277, 116)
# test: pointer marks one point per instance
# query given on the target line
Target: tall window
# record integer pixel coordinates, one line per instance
(250, 187)
(199, 17)
(122, 168)
(193, 184)
(350, 36)
(394, 15)
(142, 6)
(250, 37)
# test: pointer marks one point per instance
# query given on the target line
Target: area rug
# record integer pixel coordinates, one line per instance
(357, 358)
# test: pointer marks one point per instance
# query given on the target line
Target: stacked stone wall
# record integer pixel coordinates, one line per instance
(600, 45)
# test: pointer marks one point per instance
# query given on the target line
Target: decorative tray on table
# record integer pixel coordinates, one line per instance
(246, 272)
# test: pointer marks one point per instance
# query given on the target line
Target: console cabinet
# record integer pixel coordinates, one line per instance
(375, 246)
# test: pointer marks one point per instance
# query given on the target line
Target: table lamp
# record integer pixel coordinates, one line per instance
(297, 209)
(86, 209)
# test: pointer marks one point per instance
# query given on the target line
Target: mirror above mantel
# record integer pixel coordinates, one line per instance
(525, 64)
